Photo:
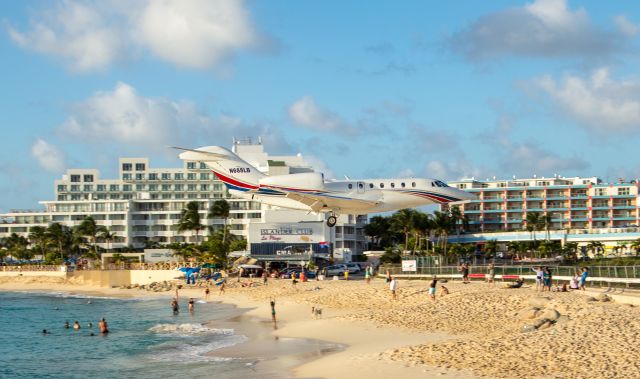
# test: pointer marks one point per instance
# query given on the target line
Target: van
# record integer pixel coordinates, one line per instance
(335, 269)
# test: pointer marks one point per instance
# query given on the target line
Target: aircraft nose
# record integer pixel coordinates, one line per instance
(464, 195)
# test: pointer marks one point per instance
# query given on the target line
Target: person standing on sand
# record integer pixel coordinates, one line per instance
(367, 274)
(546, 279)
(432, 289)
(583, 277)
(539, 274)
(388, 276)
(222, 287)
(272, 303)
(265, 275)
(491, 275)
(393, 286)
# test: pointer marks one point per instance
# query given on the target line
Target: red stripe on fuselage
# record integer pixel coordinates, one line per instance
(235, 182)
(432, 197)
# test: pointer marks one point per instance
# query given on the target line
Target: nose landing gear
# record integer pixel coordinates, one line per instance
(332, 220)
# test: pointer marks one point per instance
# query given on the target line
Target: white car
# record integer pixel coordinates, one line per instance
(354, 268)
(335, 270)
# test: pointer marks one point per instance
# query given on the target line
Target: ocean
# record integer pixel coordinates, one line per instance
(145, 341)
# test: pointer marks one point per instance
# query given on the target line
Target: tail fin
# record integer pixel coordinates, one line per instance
(230, 168)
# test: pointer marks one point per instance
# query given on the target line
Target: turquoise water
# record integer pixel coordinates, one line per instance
(145, 341)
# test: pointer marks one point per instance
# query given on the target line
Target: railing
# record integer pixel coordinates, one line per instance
(21, 268)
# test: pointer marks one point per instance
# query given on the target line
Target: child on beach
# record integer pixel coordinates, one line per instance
(583, 277)
(491, 274)
(443, 290)
(393, 286)
(432, 289)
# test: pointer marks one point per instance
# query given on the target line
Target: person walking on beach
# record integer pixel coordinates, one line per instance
(272, 303)
(388, 279)
(491, 274)
(207, 291)
(432, 289)
(583, 277)
(102, 325)
(367, 274)
(539, 274)
(222, 286)
(393, 286)
(546, 279)
(464, 268)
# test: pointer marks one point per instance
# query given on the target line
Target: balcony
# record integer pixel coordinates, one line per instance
(496, 210)
(557, 209)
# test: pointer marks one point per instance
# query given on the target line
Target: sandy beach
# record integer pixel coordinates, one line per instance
(475, 331)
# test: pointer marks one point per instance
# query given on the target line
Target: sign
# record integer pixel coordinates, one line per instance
(409, 265)
(304, 232)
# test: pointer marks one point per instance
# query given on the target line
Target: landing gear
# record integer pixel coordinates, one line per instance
(331, 221)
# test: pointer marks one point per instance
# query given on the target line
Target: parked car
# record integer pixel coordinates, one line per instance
(354, 268)
(335, 270)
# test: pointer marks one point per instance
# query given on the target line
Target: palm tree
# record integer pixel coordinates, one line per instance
(636, 246)
(57, 234)
(105, 234)
(377, 229)
(220, 209)
(442, 225)
(402, 222)
(17, 246)
(569, 250)
(88, 228)
(545, 221)
(533, 225)
(190, 219)
(491, 247)
(595, 246)
(422, 225)
(38, 237)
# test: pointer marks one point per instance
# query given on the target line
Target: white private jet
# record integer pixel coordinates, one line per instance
(310, 192)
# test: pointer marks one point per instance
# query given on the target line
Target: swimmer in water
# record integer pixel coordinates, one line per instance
(76, 325)
(45, 331)
(102, 325)
(66, 325)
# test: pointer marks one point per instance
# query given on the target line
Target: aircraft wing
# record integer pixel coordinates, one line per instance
(325, 202)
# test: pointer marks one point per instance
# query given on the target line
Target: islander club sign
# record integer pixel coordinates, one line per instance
(308, 232)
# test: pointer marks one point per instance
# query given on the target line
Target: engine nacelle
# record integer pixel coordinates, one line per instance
(304, 181)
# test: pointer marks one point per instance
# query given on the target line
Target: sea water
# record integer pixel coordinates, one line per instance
(145, 341)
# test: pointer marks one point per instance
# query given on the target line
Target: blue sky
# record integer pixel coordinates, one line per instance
(375, 89)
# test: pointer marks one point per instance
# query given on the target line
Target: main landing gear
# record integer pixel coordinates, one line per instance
(332, 220)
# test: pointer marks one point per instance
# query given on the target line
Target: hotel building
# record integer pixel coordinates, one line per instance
(581, 209)
(142, 206)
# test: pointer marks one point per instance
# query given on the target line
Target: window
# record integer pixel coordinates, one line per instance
(191, 176)
(350, 186)
(166, 176)
(433, 184)
(126, 176)
(153, 187)
(413, 184)
(75, 188)
(153, 176)
(102, 187)
(178, 176)
(381, 185)
(139, 176)
(166, 196)
(62, 197)
(462, 186)
(204, 176)
(114, 187)
(114, 196)
(126, 167)
(601, 191)
(179, 196)
(370, 185)
(178, 187)
(62, 188)
(191, 165)
(393, 185)
(102, 196)
(140, 166)
(166, 187)
(402, 185)
(360, 185)
(75, 178)
(623, 191)
(204, 187)
(127, 196)
(88, 187)
(203, 166)
(191, 187)
(139, 187)
(88, 178)
(126, 187)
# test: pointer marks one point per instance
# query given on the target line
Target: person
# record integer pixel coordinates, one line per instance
(432, 289)
(573, 283)
(388, 279)
(464, 268)
(491, 275)
(174, 306)
(583, 277)
(272, 303)
(76, 325)
(367, 274)
(45, 331)
(66, 325)
(443, 290)
(393, 286)
(539, 274)
(265, 275)
(293, 279)
(346, 273)
(90, 325)
(102, 325)
(517, 284)
(240, 272)
(222, 286)
(317, 273)
(207, 291)
(546, 279)
(191, 304)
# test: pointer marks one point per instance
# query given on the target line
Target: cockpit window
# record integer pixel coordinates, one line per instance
(441, 184)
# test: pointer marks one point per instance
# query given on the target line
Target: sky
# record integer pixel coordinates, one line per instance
(379, 89)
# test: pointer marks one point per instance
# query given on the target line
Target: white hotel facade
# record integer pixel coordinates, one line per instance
(143, 205)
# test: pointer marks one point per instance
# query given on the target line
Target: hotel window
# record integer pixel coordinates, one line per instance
(127, 196)
(203, 166)
(178, 176)
(101, 187)
(623, 191)
(126, 176)
(192, 196)
(75, 178)
(166, 187)
(140, 166)
(153, 187)
(139, 187)
(114, 196)
(88, 188)
(62, 188)
(179, 196)
(153, 176)
(62, 197)
(217, 187)
(114, 187)
(191, 165)
(88, 178)
(139, 176)
(166, 196)
(166, 176)
(75, 188)
(126, 188)
(178, 187)
(191, 187)
(204, 187)
(76, 197)
(191, 176)
(127, 166)
(204, 176)
(601, 191)
(102, 196)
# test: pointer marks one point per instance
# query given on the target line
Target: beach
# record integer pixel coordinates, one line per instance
(476, 331)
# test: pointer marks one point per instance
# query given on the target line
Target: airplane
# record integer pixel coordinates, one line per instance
(311, 192)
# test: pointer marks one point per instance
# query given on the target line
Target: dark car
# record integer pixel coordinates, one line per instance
(286, 274)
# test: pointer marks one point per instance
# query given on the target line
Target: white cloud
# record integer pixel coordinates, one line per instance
(544, 28)
(529, 158)
(48, 156)
(599, 102)
(189, 33)
(626, 27)
(450, 170)
(306, 113)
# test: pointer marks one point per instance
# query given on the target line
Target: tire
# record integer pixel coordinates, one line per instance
(331, 221)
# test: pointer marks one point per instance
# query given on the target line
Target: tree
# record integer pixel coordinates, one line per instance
(545, 222)
(17, 246)
(491, 247)
(423, 225)
(38, 238)
(190, 219)
(402, 222)
(534, 222)
(220, 209)
(60, 236)
(89, 229)
(390, 256)
(442, 225)
(636, 246)
(570, 251)
(377, 229)
(106, 235)
(595, 246)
